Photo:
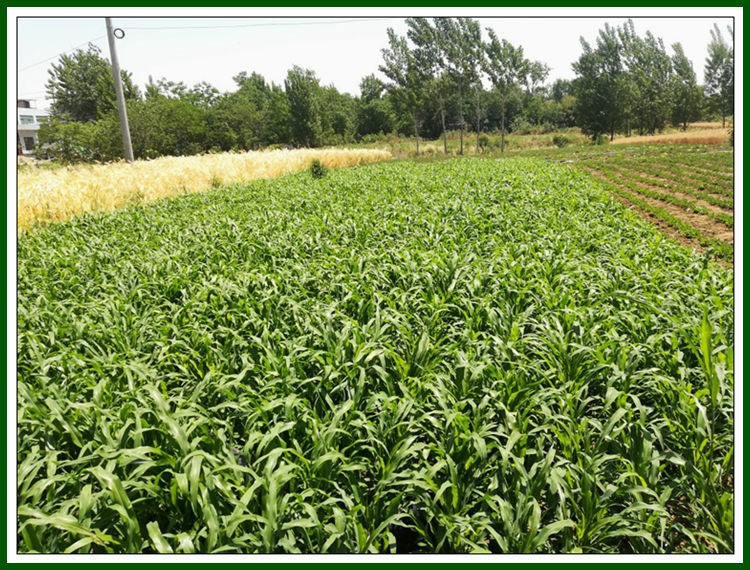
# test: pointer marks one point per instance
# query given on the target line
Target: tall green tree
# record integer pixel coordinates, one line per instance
(407, 80)
(686, 94)
(598, 85)
(278, 116)
(506, 67)
(254, 116)
(303, 92)
(166, 126)
(461, 46)
(719, 74)
(646, 80)
(201, 95)
(339, 116)
(429, 57)
(535, 75)
(374, 112)
(82, 87)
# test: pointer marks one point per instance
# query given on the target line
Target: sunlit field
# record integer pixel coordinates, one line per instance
(46, 195)
(452, 356)
(690, 136)
(696, 133)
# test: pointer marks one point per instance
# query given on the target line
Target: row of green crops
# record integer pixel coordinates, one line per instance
(463, 356)
(692, 178)
(644, 185)
(708, 158)
(720, 195)
(690, 189)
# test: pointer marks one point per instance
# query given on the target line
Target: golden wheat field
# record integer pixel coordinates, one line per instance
(697, 133)
(46, 195)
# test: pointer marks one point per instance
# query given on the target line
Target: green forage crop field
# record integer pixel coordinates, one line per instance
(458, 356)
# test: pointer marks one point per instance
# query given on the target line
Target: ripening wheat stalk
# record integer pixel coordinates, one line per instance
(53, 195)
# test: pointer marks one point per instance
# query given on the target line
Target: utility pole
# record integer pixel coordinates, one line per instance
(124, 128)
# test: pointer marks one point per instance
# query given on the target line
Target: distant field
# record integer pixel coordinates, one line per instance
(53, 194)
(686, 190)
(404, 147)
(516, 143)
(469, 355)
(707, 136)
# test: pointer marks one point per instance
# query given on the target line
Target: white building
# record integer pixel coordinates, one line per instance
(29, 120)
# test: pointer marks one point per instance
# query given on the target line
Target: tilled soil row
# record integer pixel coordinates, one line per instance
(676, 193)
(707, 226)
(663, 226)
(722, 173)
(718, 186)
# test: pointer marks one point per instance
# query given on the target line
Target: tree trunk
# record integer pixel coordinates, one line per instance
(416, 133)
(502, 129)
(442, 119)
(461, 118)
(478, 122)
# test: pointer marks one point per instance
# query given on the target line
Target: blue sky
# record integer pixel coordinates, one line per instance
(341, 45)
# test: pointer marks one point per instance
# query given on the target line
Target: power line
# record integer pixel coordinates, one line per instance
(257, 25)
(61, 53)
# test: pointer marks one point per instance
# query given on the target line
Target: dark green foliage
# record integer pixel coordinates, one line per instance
(719, 74)
(317, 168)
(82, 86)
(687, 96)
(599, 85)
(304, 95)
(646, 84)
(407, 80)
(506, 67)
(461, 49)
(624, 83)
(374, 117)
(158, 127)
(73, 142)
(167, 126)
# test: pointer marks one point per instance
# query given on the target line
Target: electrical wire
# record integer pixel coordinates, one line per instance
(61, 53)
(256, 25)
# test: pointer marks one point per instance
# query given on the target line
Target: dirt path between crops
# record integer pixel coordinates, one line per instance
(676, 193)
(709, 227)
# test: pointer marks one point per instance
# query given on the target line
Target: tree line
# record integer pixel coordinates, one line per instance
(443, 76)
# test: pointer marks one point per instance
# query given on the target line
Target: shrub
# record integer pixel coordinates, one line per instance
(599, 139)
(317, 168)
(560, 141)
